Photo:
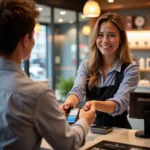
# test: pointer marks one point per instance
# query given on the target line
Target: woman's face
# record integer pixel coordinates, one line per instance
(108, 39)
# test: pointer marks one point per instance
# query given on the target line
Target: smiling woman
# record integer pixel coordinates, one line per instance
(108, 76)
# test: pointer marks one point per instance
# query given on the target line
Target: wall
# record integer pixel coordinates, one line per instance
(65, 38)
(66, 48)
(137, 54)
(138, 124)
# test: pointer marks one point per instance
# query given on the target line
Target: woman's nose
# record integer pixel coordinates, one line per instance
(105, 38)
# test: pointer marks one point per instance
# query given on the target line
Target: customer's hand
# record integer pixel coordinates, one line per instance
(65, 106)
(89, 105)
(89, 116)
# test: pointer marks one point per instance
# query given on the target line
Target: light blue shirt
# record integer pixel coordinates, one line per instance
(121, 98)
(29, 112)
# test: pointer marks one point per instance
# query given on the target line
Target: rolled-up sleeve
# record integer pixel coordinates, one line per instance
(128, 85)
(80, 81)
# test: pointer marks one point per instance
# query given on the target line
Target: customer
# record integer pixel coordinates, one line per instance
(108, 76)
(29, 110)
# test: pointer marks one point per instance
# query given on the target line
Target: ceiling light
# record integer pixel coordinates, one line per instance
(62, 12)
(110, 1)
(60, 20)
(86, 30)
(91, 9)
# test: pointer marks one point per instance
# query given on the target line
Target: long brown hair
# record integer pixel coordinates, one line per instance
(95, 56)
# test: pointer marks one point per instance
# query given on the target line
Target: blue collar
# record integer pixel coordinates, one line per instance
(117, 66)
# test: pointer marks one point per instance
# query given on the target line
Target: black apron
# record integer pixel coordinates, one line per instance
(104, 93)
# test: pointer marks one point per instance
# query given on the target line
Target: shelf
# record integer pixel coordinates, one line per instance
(138, 30)
(139, 48)
(145, 70)
(139, 39)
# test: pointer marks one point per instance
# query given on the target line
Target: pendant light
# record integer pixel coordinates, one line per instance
(86, 30)
(110, 1)
(91, 9)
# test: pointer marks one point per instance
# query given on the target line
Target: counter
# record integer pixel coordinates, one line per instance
(117, 135)
(143, 88)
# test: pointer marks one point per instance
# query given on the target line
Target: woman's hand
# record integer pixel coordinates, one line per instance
(71, 102)
(104, 106)
(65, 106)
(89, 105)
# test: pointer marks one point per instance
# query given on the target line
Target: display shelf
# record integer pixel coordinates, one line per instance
(139, 39)
(145, 70)
(139, 48)
(138, 30)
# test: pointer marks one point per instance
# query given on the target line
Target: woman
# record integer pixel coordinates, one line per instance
(108, 76)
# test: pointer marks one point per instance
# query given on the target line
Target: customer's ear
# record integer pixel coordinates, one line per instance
(25, 41)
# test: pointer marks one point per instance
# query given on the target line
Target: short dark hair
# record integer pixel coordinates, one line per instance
(17, 18)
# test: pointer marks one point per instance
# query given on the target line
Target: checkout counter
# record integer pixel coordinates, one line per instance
(118, 135)
(143, 86)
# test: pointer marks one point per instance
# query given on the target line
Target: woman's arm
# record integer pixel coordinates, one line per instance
(80, 82)
(128, 85)
(104, 106)
(77, 93)
(72, 99)
(120, 102)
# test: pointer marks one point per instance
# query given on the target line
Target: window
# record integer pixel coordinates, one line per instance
(38, 56)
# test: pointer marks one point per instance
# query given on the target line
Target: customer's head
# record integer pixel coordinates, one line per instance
(116, 20)
(17, 19)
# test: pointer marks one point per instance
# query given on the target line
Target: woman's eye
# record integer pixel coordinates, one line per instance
(111, 35)
(100, 35)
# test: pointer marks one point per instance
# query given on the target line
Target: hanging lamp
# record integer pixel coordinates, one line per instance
(86, 30)
(91, 9)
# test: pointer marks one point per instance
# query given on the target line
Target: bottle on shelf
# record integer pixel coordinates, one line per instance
(148, 63)
(142, 63)
(129, 22)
